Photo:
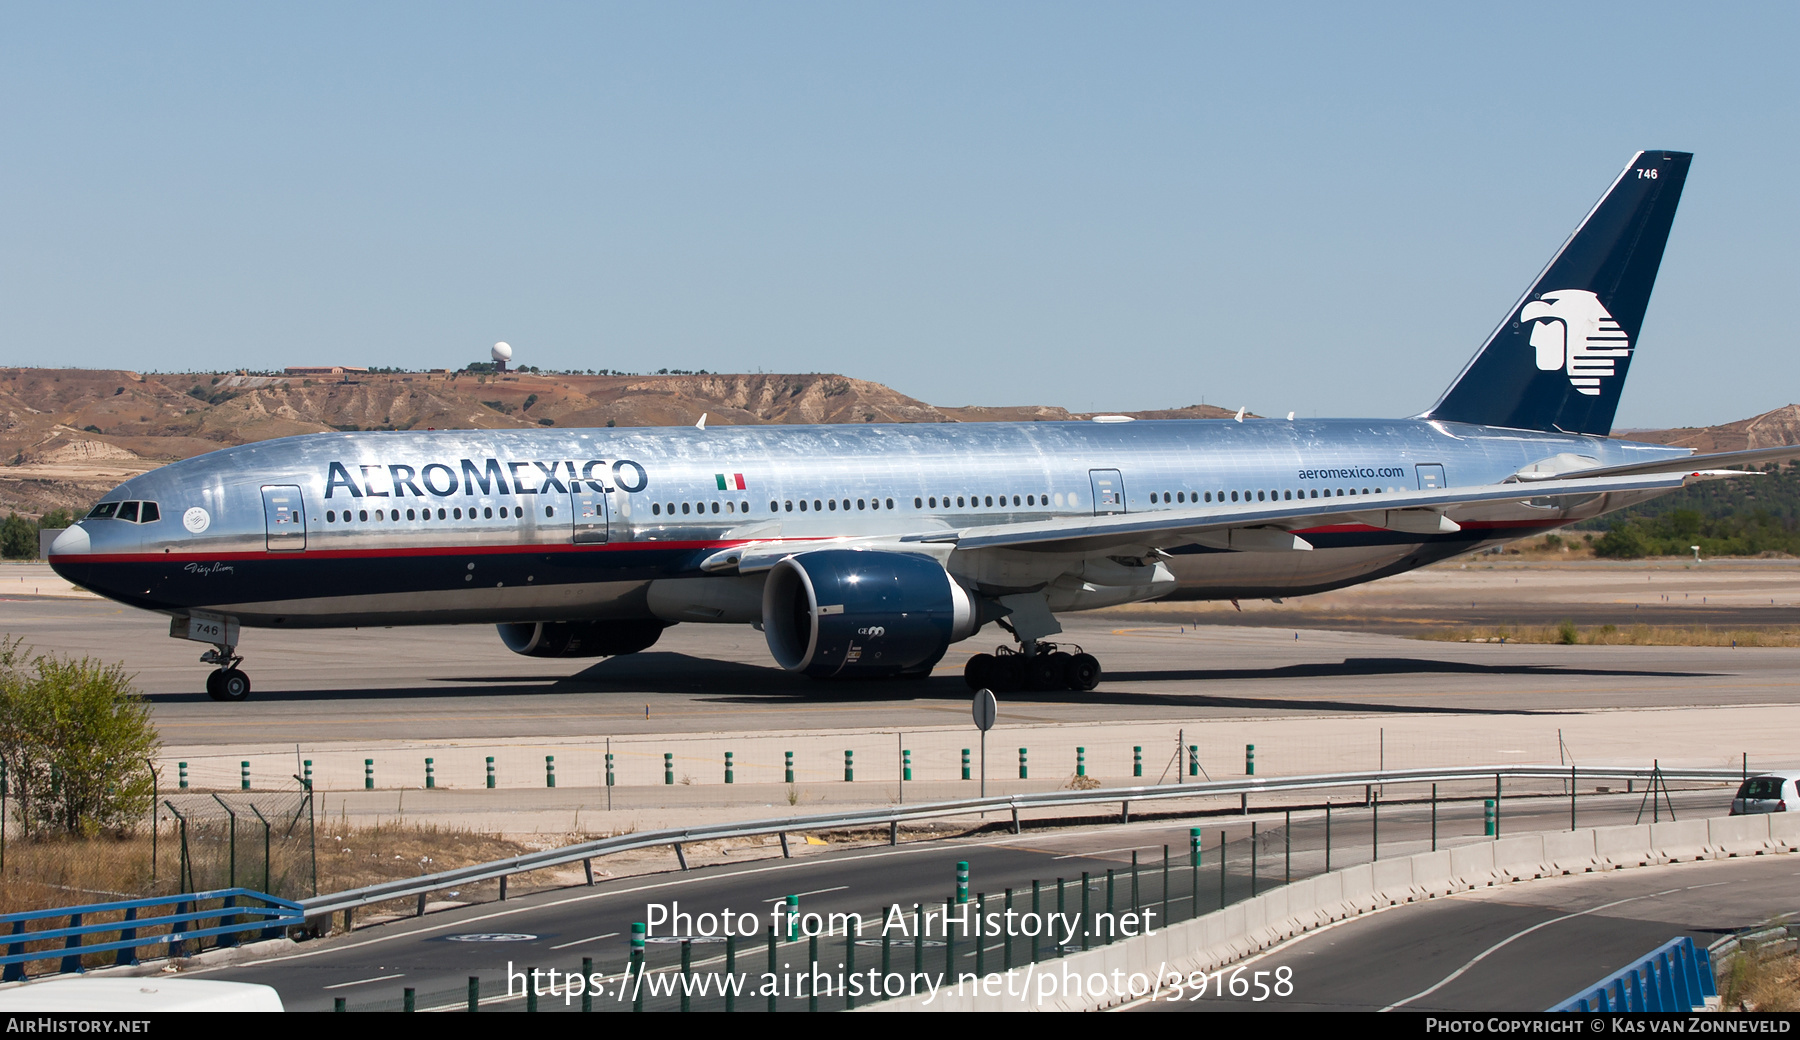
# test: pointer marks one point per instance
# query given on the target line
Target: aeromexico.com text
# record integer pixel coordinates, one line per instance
(1354, 473)
(483, 477)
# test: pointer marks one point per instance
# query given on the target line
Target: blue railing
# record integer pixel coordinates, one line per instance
(1674, 977)
(232, 911)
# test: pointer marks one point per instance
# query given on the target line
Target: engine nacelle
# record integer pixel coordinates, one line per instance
(580, 638)
(861, 613)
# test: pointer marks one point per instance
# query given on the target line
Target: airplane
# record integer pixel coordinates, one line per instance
(865, 551)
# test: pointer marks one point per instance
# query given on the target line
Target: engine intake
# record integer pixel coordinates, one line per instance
(580, 638)
(861, 613)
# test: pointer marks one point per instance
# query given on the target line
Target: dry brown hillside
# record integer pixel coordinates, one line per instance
(1768, 430)
(68, 435)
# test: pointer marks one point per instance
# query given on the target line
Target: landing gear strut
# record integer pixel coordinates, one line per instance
(227, 682)
(1035, 666)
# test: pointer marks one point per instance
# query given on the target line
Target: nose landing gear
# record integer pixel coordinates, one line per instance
(1036, 666)
(227, 682)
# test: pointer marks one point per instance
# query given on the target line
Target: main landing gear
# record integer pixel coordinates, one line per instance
(227, 682)
(1035, 666)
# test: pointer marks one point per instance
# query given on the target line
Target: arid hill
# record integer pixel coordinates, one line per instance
(68, 435)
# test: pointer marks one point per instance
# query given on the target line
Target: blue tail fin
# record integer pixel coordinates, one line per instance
(1558, 360)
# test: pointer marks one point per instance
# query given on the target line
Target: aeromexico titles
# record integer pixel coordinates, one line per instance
(869, 550)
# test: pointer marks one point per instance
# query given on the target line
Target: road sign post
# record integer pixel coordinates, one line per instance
(985, 708)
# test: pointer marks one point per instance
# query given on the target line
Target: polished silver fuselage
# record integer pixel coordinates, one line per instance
(396, 528)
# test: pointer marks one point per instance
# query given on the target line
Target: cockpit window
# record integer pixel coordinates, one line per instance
(132, 512)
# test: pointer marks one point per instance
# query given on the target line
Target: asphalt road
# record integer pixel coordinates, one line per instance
(450, 682)
(1519, 948)
(554, 929)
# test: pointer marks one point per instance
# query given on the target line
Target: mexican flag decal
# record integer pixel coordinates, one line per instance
(730, 481)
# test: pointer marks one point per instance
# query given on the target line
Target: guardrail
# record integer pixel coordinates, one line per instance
(1674, 977)
(894, 815)
(233, 917)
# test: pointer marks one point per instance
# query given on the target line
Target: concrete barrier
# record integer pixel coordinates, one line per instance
(1570, 852)
(1224, 937)
(1620, 847)
(1682, 842)
(1743, 833)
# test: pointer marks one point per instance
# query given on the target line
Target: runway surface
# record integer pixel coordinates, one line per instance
(449, 682)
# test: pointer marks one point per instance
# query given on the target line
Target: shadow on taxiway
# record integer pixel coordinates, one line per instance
(651, 674)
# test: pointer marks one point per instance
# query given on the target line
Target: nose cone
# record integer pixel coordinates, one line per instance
(72, 542)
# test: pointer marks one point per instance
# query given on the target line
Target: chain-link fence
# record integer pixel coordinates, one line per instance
(264, 840)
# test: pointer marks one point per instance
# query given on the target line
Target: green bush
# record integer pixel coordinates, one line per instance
(1565, 633)
(18, 538)
(76, 739)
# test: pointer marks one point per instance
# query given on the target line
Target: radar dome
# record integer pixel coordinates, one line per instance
(501, 352)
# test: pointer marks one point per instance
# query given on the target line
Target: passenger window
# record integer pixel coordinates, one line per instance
(715, 507)
(833, 503)
(731, 507)
(549, 510)
(859, 503)
(685, 507)
(744, 507)
(919, 503)
(330, 516)
(959, 502)
(932, 500)
(655, 509)
(440, 514)
(1287, 496)
(890, 503)
(410, 515)
(363, 515)
(790, 505)
(990, 500)
(1234, 496)
(803, 505)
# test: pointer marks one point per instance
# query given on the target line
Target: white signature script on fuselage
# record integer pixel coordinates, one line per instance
(206, 569)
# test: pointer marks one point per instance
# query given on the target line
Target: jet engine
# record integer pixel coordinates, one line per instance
(580, 638)
(862, 613)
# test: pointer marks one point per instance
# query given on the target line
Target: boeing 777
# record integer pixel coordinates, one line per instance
(864, 551)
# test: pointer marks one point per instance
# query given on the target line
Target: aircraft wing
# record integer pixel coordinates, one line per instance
(1687, 463)
(1271, 526)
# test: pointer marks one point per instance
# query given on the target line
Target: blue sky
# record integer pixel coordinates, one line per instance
(1318, 208)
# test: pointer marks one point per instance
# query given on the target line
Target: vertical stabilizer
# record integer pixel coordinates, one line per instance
(1558, 360)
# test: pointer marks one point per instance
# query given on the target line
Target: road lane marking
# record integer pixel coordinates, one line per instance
(589, 939)
(814, 892)
(1478, 958)
(358, 982)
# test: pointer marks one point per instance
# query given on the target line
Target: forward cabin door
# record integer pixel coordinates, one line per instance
(284, 516)
(589, 507)
(1431, 476)
(1109, 491)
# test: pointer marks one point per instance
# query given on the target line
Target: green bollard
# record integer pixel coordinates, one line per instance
(531, 993)
(793, 918)
(1081, 761)
(408, 1000)
(1249, 759)
(549, 770)
(305, 773)
(1488, 817)
(668, 767)
(1137, 761)
(1193, 760)
(609, 769)
(244, 776)
(183, 769)
(587, 995)
(368, 774)
(962, 882)
(849, 765)
(905, 764)
(337, 1004)
(474, 993)
(965, 763)
(636, 964)
(728, 773)
(1194, 853)
(490, 772)
(1022, 770)
(430, 775)
(790, 767)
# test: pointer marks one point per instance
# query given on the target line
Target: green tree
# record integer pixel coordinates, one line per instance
(55, 520)
(75, 736)
(18, 538)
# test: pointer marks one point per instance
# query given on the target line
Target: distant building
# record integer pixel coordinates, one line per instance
(326, 370)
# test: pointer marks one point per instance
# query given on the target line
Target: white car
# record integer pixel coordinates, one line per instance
(1769, 792)
(149, 993)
